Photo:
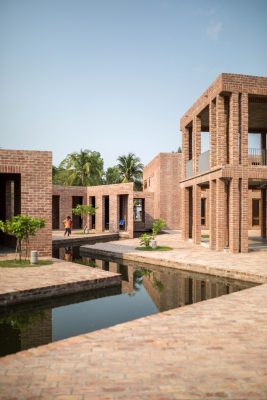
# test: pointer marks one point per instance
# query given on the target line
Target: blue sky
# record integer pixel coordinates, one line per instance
(115, 75)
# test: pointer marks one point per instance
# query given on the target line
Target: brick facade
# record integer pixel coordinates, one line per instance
(161, 177)
(30, 175)
(231, 108)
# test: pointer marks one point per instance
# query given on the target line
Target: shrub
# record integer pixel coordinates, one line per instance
(22, 227)
(84, 210)
(145, 240)
(157, 226)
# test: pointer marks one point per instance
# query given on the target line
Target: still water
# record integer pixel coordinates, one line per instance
(145, 290)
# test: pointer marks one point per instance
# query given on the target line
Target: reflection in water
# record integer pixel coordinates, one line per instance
(143, 291)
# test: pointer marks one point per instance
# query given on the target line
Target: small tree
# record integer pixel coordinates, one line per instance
(84, 211)
(157, 226)
(145, 240)
(22, 227)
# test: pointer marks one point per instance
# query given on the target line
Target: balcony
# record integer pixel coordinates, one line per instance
(257, 157)
(204, 162)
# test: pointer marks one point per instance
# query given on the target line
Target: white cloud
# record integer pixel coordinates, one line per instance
(214, 29)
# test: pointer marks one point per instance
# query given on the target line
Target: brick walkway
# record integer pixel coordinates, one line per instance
(187, 256)
(210, 350)
(20, 284)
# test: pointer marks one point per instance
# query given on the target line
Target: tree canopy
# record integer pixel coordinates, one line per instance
(85, 168)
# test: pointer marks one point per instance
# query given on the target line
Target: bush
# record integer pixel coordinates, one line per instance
(157, 226)
(22, 227)
(145, 240)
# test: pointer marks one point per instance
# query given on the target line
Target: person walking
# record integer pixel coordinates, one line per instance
(68, 225)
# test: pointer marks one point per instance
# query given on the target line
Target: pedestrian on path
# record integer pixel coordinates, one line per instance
(68, 225)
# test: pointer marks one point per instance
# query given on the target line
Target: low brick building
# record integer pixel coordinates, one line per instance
(231, 111)
(118, 207)
(26, 188)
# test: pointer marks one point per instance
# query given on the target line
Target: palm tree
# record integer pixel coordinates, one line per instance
(112, 175)
(130, 168)
(83, 169)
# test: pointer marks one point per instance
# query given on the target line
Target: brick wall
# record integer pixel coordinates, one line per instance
(162, 176)
(35, 194)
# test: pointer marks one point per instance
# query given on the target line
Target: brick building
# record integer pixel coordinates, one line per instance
(162, 176)
(26, 188)
(232, 113)
(118, 207)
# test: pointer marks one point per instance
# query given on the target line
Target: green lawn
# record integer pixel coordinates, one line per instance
(23, 263)
(158, 248)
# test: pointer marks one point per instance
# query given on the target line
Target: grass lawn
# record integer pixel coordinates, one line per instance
(158, 248)
(23, 263)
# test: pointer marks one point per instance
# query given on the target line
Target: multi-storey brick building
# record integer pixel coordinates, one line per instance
(232, 111)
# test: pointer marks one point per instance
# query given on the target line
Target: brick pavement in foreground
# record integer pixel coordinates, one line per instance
(210, 350)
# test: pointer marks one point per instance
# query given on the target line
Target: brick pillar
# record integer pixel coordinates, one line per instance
(234, 129)
(212, 214)
(197, 143)
(234, 215)
(243, 187)
(185, 213)
(99, 214)
(263, 148)
(212, 128)
(263, 213)
(244, 128)
(185, 151)
(196, 214)
(221, 211)
(221, 117)
(130, 224)
(113, 213)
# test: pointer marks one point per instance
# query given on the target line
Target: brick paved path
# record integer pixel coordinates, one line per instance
(251, 266)
(210, 350)
(17, 284)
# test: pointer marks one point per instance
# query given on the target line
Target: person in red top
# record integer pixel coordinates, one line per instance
(68, 225)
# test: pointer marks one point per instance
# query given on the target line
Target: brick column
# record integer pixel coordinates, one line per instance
(243, 187)
(221, 118)
(185, 151)
(212, 215)
(113, 213)
(212, 128)
(99, 214)
(130, 223)
(221, 210)
(234, 129)
(196, 214)
(234, 215)
(197, 143)
(185, 213)
(263, 213)
(244, 128)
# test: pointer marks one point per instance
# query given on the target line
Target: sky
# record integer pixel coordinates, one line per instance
(116, 76)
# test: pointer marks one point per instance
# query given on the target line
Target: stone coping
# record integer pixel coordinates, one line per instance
(186, 256)
(61, 278)
(215, 349)
(78, 239)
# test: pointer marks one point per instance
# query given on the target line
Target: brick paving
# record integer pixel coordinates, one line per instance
(250, 266)
(210, 350)
(30, 283)
(78, 237)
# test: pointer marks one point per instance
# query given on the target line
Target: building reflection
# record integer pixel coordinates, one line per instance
(169, 288)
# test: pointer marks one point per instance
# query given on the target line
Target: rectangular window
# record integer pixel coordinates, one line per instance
(255, 212)
(203, 211)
